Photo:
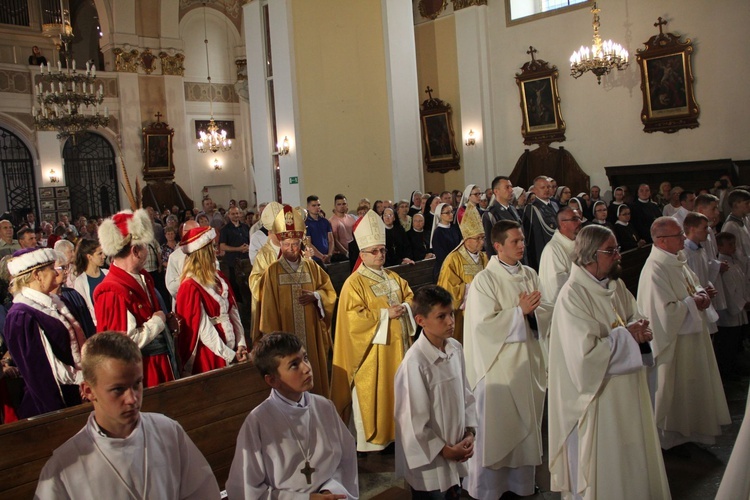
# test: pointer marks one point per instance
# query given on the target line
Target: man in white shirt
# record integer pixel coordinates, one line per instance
(687, 202)
(175, 263)
(690, 405)
(122, 453)
(292, 445)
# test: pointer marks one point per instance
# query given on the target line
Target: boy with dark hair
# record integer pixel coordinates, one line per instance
(294, 443)
(435, 409)
(123, 453)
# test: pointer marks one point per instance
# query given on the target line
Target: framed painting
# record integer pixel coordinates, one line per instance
(157, 151)
(63, 204)
(49, 217)
(46, 193)
(439, 139)
(542, 121)
(667, 83)
(48, 205)
(62, 192)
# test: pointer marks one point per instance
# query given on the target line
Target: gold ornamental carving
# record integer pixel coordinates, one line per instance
(462, 4)
(172, 65)
(147, 61)
(126, 62)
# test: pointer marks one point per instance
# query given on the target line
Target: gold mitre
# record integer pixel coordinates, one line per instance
(268, 215)
(289, 224)
(369, 230)
(471, 223)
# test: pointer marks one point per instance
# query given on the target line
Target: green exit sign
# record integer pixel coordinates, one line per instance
(294, 180)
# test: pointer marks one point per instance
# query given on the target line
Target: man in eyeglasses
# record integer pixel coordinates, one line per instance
(296, 296)
(374, 328)
(602, 438)
(689, 401)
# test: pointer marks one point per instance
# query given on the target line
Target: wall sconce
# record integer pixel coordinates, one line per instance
(282, 148)
(471, 140)
(217, 164)
(53, 177)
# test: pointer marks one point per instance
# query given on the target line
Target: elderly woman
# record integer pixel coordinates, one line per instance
(43, 337)
(445, 236)
(402, 212)
(211, 334)
(89, 260)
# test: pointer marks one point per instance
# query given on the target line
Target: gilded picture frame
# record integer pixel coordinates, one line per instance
(541, 117)
(439, 139)
(158, 151)
(669, 101)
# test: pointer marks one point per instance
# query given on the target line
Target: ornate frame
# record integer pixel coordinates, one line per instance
(158, 151)
(540, 102)
(667, 83)
(440, 153)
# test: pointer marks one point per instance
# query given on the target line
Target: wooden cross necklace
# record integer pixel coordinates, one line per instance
(307, 471)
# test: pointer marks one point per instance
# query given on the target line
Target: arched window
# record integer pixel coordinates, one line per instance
(91, 175)
(18, 182)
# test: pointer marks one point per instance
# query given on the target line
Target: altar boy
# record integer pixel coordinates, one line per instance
(294, 443)
(435, 409)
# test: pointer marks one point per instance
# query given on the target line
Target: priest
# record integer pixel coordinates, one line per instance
(690, 405)
(505, 369)
(297, 296)
(463, 263)
(268, 254)
(374, 328)
(602, 437)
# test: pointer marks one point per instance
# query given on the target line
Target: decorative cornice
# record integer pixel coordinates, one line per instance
(462, 4)
(15, 82)
(198, 92)
(172, 65)
(126, 62)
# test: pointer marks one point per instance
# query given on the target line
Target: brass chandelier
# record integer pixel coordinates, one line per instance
(601, 58)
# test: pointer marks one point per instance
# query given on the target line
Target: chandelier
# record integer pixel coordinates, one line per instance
(603, 56)
(211, 139)
(68, 100)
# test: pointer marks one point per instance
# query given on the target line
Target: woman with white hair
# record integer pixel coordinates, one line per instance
(43, 337)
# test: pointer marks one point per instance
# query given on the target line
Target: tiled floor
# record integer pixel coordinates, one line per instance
(694, 471)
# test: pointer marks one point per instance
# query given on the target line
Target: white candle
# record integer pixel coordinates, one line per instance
(93, 70)
(74, 64)
(59, 66)
(41, 68)
(106, 111)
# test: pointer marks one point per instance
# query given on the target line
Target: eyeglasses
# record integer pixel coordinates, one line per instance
(572, 219)
(613, 251)
(61, 269)
(681, 234)
(476, 194)
(377, 251)
(449, 212)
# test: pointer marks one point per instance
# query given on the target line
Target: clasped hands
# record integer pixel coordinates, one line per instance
(641, 331)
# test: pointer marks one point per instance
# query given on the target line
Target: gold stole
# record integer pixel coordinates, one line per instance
(295, 279)
(471, 268)
(387, 287)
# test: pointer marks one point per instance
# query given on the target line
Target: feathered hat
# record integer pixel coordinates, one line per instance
(26, 260)
(123, 228)
(269, 214)
(369, 230)
(197, 238)
(289, 224)
(471, 222)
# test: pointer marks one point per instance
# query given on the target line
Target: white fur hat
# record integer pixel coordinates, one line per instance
(26, 260)
(123, 228)
(197, 238)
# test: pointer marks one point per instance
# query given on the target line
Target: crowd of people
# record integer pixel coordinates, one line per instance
(527, 304)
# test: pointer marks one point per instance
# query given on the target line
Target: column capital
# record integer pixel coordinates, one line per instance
(462, 4)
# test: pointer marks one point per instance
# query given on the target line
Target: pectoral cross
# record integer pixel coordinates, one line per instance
(307, 471)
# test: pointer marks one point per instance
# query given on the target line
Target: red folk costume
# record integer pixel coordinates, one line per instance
(211, 328)
(126, 302)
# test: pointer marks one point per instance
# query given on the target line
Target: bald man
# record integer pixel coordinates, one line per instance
(539, 221)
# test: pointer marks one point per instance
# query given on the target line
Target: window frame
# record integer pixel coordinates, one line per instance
(541, 15)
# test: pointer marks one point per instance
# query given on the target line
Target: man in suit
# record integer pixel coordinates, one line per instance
(539, 221)
(500, 209)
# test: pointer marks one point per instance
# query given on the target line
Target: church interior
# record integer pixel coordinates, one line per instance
(328, 96)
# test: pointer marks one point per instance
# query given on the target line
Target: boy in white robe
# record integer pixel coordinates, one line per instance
(435, 409)
(696, 233)
(122, 453)
(293, 445)
(505, 369)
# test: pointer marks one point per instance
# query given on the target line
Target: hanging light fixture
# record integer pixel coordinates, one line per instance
(68, 99)
(211, 139)
(602, 57)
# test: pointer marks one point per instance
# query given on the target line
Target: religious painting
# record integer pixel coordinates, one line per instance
(440, 153)
(46, 193)
(667, 83)
(157, 151)
(541, 117)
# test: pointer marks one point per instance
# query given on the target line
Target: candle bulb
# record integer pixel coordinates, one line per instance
(41, 68)
(74, 64)
(93, 70)
(59, 66)
(106, 111)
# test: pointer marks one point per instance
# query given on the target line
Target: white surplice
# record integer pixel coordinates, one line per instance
(689, 402)
(269, 459)
(505, 369)
(603, 442)
(434, 406)
(735, 485)
(92, 466)
(554, 270)
(707, 271)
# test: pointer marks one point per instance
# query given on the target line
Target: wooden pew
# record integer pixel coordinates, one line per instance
(632, 263)
(211, 407)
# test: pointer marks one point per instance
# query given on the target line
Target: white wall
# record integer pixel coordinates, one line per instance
(603, 122)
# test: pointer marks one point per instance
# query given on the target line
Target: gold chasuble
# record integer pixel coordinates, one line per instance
(267, 255)
(456, 274)
(358, 362)
(280, 310)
